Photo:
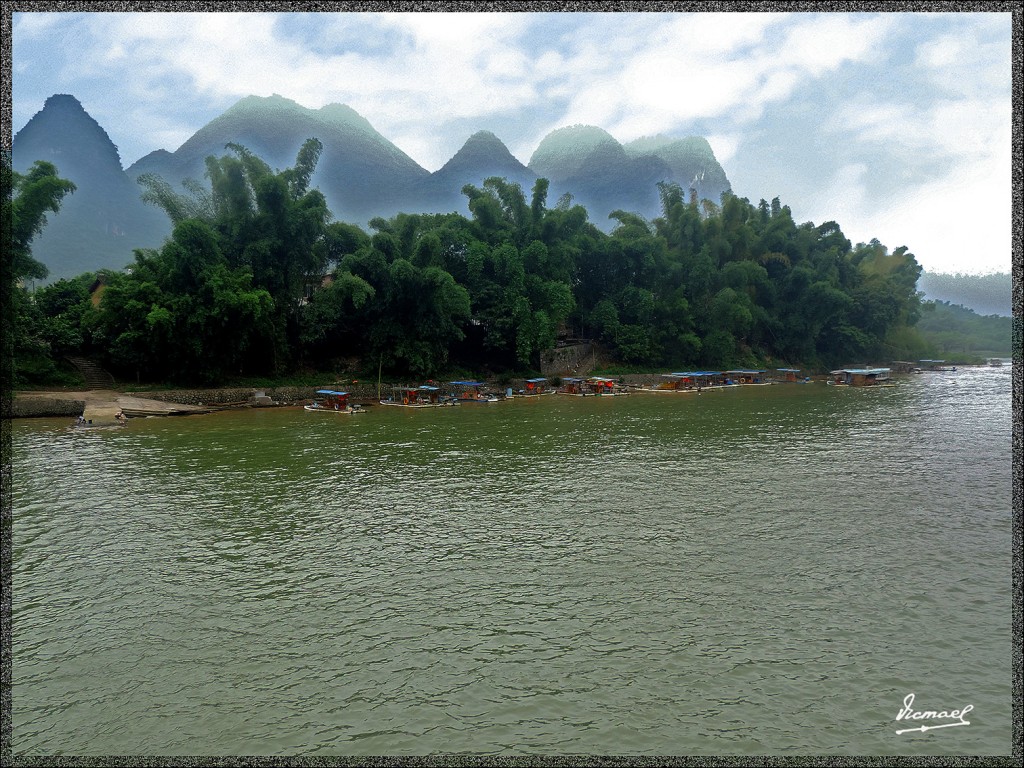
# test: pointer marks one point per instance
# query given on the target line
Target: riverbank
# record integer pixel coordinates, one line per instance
(102, 406)
(98, 407)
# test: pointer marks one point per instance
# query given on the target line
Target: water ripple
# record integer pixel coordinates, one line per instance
(767, 570)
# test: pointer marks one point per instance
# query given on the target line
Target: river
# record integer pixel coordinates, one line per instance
(760, 571)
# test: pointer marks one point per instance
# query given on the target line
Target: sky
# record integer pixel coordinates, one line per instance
(897, 126)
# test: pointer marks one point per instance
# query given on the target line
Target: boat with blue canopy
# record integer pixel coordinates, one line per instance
(332, 401)
(571, 386)
(423, 396)
(535, 388)
(680, 382)
(749, 376)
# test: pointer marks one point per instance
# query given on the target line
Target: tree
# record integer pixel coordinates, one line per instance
(62, 307)
(33, 195)
(421, 315)
(27, 198)
(184, 314)
(334, 322)
(270, 224)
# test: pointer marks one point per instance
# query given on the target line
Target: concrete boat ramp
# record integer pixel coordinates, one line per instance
(100, 407)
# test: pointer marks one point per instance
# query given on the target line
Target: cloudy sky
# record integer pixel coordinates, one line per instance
(895, 125)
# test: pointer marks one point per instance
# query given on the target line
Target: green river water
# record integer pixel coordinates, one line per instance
(760, 571)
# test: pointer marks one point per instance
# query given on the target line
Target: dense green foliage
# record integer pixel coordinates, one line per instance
(954, 331)
(27, 199)
(257, 280)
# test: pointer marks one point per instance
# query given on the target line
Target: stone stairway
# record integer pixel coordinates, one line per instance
(95, 377)
(571, 360)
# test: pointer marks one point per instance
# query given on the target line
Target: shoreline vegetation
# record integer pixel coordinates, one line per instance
(258, 282)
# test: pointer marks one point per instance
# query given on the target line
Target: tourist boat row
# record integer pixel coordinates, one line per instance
(712, 381)
(468, 392)
(473, 392)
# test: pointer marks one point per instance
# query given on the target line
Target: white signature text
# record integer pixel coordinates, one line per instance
(909, 713)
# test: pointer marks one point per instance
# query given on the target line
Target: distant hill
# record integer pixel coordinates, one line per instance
(482, 156)
(952, 330)
(985, 294)
(691, 162)
(100, 224)
(361, 173)
(603, 175)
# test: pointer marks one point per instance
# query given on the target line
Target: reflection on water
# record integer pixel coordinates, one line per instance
(768, 570)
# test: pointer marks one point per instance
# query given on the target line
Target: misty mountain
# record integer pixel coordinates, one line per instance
(100, 224)
(603, 175)
(985, 294)
(691, 163)
(361, 173)
(482, 156)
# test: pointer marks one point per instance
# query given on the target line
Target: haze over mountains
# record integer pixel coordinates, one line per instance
(361, 173)
(104, 219)
(364, 175)
(990, 294)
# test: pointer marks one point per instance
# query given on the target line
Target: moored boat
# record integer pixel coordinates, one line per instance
(936, 366)
(598, 386)
(748, 377)
(792, 376)
(682, 382)
(469, 392)
(423, 396)
(861, 377)
(605, 387)
(333, 401)
(536, 388)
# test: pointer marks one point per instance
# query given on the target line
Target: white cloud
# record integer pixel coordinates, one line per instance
(729, 67)
(713, 35)
(426, 149)
(942, 53)
(842, 200)
(468, 33)
(955, 223)
(522, 75)
(970, 62)
(821, 43)
(724, 146)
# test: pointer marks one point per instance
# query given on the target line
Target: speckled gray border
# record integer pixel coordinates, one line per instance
(569, 760)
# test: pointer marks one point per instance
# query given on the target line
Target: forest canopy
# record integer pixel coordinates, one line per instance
(258, 278)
